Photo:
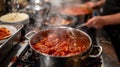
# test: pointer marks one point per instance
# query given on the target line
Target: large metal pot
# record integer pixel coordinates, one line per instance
(75, 8)
(75, 60)
(81, 12)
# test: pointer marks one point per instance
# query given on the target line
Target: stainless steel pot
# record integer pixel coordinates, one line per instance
(62, 61)
(81, 12)
(68, 7)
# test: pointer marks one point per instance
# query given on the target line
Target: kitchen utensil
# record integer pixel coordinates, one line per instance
(62, 61)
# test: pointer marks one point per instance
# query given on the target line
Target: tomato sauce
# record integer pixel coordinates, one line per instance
(61, 45)
(76, 10)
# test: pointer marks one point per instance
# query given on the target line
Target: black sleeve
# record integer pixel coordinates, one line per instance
(111, 7)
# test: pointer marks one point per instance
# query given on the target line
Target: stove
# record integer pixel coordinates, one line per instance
(23, 56)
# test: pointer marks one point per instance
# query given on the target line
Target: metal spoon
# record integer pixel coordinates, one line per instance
(81, 25)
(72, 33)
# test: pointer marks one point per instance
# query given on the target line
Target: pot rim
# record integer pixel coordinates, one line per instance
(78, 54)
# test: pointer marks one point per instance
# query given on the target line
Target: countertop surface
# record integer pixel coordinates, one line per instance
(109, 57)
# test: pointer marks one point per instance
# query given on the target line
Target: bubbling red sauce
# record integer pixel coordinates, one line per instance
(76, 10)
(56, 44)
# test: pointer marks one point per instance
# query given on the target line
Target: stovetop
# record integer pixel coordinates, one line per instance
(23, 56)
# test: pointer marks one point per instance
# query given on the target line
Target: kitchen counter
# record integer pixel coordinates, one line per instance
(109, 57)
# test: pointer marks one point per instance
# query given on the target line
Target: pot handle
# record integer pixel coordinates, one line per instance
(99, 53)
(30, 34)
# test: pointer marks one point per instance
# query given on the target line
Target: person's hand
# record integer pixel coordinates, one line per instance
(96, 22)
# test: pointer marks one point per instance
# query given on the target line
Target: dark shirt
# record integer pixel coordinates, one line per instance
(112, 7)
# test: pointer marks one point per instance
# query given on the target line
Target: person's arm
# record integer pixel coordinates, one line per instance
(112, 19)
(97, 4)
(100, 21)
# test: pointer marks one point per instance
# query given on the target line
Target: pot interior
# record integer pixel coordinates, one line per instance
(60, 42)
(76, 10)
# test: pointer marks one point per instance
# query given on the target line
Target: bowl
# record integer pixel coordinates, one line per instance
(15, 17)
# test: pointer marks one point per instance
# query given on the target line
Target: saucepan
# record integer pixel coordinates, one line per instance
(61, 46)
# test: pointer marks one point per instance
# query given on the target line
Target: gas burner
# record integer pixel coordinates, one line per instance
(29, 59)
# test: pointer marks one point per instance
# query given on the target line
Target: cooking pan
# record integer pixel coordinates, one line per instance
(54, 19)
(81, 12)
(73, 60)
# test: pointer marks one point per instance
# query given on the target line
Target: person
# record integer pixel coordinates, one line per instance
(109, 21)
